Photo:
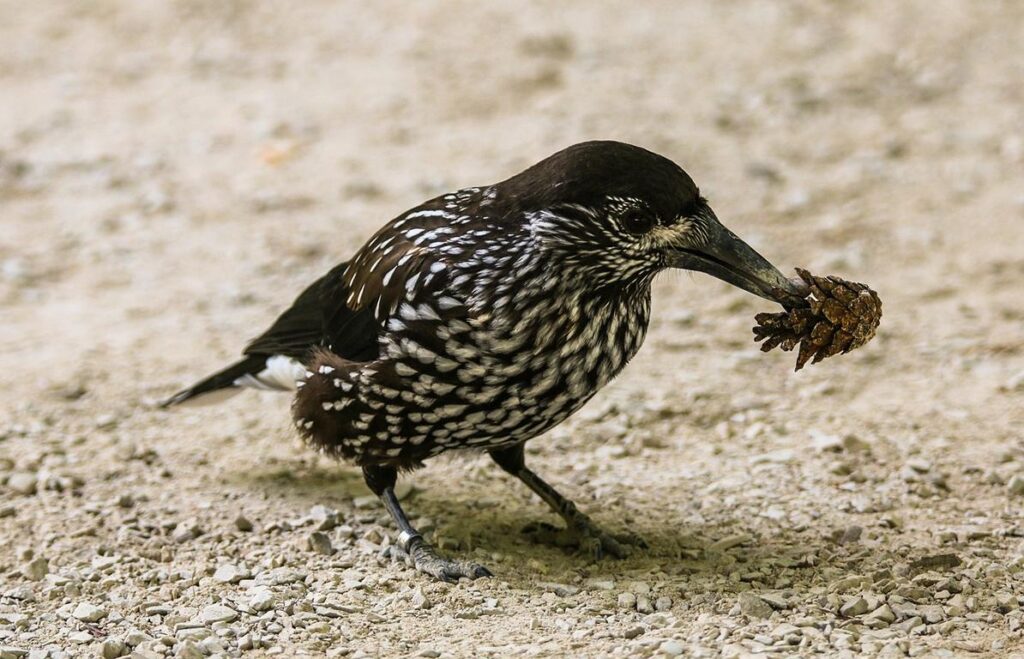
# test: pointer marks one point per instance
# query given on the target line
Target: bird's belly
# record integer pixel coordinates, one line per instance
(493, 399)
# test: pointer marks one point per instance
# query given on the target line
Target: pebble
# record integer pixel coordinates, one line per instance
(560, 589)
(365, 501)
(11, 652)
(242, 523)
(229, 573)
(189, 650)
(324, 518)
(672, 648)
(882, 614)
(753, 606)
(936, 562)
(729, 542)
(1016, 485)
(849, 535)
(320, 543)
(419, 600)
(80, 638)
(185, 531)
(23, 482)
(776, 601)
(113, 648)
(627, 601)
(853, 607)
(218, 613)
(36, 569)
(263, 599)
(87, 612)
(136, 637)
(633, 632)
(932, 613)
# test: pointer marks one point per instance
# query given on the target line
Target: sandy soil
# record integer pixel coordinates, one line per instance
(172, 173)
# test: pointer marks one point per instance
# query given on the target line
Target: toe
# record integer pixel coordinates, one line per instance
(481, 571)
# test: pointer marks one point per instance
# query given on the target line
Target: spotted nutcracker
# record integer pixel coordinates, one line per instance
(484, 317)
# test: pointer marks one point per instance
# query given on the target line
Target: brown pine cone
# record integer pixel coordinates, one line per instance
(840, 316)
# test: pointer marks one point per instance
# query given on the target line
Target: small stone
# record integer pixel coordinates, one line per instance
(185, 531)
(242, 523)
(826, 442)
(229, 573)
(919, 465)
(882, 614)
(320, 543)
(36, 569)
(323, 517)
(853, 607)
(633, 632)
(955, 606)
(419, 600)
(1006, 602)
(601, 584)
(560, 589)
(23, 482)
(932, 613)
(643, 604)
(729, 542)
(11, 652)
(936, 562)
(776, 601)
(627, 601)
(189, 650)
(80, 638)
(87, 612)
(663, 603)
(849, 535)
(263, 599)
(113, 648)
(136, 637)
(218, 613)
(1016, 485)
(672, 648)
(753, 606)
(366, 501)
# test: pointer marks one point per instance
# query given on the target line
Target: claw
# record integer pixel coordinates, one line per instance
(587, 538)
(424, 558)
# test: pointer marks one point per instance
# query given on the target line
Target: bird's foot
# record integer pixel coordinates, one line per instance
(588, 538)
(425, 559)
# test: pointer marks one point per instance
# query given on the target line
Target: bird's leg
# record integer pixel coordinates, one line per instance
(581, 531)
(381, 481)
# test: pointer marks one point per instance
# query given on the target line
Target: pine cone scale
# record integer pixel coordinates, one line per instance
(839, 316)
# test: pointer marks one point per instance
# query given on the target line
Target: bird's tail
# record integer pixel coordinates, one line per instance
(270, 373)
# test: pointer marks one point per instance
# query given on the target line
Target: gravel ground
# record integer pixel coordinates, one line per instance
(172, 173)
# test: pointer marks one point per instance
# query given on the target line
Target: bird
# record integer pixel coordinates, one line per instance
(484, 317)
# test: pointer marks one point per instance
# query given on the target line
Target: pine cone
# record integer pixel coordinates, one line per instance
(840, 316)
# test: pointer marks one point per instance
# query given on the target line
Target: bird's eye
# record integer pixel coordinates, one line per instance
(637, 221)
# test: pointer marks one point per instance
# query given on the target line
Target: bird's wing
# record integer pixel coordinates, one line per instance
(402, 260)
(299, 329)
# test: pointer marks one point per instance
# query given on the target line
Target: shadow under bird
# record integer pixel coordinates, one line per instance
(484, 317)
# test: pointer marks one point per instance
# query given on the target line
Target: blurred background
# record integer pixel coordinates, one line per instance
(173, 172)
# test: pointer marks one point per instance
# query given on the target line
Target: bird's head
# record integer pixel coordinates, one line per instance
(619, 212)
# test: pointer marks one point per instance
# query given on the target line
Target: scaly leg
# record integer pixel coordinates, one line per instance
(381, 481)
(581, 531)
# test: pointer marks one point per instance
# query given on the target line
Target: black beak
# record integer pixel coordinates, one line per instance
(730, 259)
